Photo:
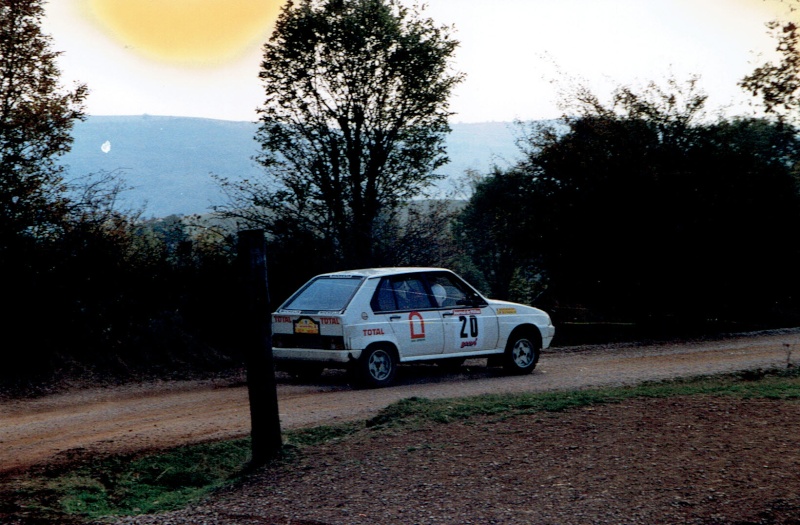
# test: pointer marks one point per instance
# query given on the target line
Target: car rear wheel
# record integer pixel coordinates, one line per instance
(522, 353)
(377, 367)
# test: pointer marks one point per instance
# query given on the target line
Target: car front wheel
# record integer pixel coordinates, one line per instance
(522, 354)
(377, 367)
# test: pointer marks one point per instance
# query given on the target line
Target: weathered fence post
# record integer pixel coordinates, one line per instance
(261, 387)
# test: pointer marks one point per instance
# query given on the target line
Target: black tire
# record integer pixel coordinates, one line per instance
(377, 367)
(522, 353)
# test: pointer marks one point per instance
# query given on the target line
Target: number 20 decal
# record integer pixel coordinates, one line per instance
(473, 326)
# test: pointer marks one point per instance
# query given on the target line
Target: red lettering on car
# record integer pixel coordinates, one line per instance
(417, 327)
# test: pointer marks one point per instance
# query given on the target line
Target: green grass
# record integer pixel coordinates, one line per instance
(129, 485)
(89, 490)
(313, 436)
(755, 384)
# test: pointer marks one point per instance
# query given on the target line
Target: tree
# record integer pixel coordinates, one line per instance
(778, 84)
(36, 118)
(354, 120)
(643, 207)
(500, 227)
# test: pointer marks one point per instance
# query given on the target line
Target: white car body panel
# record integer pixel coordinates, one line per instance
(335, 338)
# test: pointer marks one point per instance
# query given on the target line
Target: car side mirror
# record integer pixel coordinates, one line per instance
(471, 300)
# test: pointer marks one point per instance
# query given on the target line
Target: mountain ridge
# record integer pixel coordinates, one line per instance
(168, 162)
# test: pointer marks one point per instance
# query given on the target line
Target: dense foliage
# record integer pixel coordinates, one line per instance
(641, 209)
(87, 284)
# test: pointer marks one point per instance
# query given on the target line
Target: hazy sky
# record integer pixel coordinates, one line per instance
(200, 58)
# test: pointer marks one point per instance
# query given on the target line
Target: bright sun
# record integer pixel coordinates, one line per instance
(189, 32)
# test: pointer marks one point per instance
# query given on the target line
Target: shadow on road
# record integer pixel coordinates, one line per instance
(407, 374)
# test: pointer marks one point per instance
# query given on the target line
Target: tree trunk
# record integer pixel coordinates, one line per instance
(261, 386)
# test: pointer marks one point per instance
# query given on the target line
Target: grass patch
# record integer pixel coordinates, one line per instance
(125, 485)
(770, 384)
(93, 489)
(316, 435)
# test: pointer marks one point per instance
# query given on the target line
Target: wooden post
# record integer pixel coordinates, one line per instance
(261, 386)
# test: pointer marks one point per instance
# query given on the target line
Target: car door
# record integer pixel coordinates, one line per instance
(403, 302)
(469, 324)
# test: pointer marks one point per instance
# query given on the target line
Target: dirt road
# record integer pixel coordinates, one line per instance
(158, 415)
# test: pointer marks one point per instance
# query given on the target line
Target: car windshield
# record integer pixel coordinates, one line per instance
(330, 293)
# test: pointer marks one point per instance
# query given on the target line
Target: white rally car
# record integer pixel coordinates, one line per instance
(372, 320)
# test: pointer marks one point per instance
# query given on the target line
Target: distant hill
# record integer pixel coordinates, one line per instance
(169, 160)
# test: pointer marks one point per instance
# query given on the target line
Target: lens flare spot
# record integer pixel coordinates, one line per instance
(188, 32)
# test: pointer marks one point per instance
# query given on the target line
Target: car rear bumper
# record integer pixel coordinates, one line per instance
(319, 356)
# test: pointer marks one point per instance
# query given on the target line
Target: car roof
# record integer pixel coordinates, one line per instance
(381, 272)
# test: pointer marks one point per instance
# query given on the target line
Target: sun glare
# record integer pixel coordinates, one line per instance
(188, 32)
(777, 9)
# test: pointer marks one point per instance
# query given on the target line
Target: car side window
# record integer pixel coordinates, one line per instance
(401, 293)
(383, 300)
(450, 292)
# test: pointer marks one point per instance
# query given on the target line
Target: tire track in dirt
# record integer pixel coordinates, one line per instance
(159, 415)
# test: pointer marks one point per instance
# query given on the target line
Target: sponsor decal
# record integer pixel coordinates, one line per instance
(467, 344)
(506, 311)
(282, 319)
(417, 326)
(468, 311)
(373, 331)
(306, 325)
(329, 320)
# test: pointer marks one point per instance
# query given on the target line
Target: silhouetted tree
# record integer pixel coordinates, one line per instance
(91, 288)
(354, 120)
(36, 118)
(643, 207)
(778, 84)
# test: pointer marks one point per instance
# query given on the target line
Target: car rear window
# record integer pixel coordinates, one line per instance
(328, 293)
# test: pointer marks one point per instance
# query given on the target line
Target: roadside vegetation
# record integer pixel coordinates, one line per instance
(638, 216)
(634, 216)
(83, 489)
